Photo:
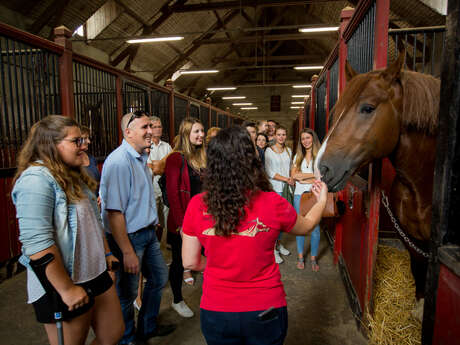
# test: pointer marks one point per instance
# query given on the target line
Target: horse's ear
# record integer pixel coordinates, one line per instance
(349, 71)
(393, 72)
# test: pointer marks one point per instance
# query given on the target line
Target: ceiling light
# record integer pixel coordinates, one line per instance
(204, 71)
(223, 88)
(308, 67)
(296, 102)
(300, 96)
(234, 97)
(249, 108)
(296, 107)
(304, 86)
(321, 29)
(241, 103)
(155, 39)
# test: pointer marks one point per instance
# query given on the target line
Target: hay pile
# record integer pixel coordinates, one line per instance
(393, 300)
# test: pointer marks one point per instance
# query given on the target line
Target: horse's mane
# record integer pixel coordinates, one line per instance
(420, 99)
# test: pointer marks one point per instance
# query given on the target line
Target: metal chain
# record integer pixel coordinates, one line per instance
(398, 228)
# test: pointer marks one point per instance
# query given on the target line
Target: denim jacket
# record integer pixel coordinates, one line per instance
(45, 218)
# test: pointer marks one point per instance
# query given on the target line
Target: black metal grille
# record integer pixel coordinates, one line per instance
(29, 91)
(204, 117)
(361, 44)
(180, 112)
(135, 97)
(320, 113)
(160, 108)
(95, 99)
(222, 120)
(195, 111)
(333, 87)
(214, 119)
(422, 48)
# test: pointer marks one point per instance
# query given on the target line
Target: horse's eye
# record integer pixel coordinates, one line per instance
(366, 109)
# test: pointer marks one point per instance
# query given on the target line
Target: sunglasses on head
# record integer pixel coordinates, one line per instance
(135, 115)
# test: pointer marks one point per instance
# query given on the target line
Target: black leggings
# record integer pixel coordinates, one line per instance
(176, 269)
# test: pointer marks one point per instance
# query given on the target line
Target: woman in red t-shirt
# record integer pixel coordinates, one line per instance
(237, 220)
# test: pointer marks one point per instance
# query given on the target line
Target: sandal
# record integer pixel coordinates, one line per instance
(300, 263)
(314, 265)
(189, 280)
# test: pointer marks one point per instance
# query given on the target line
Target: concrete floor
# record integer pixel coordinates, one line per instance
(319, 313)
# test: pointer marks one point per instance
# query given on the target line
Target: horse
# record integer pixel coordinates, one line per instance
(389, 113)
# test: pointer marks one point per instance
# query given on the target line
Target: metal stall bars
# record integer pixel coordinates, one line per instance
(159, 106)
(422, 48)
(194, 110)
(214, 118)
(222, 120)
(135, 97)
(320, 111)
(204, 116)
(180, 111)
(29, 90)
(95, 99)
(333, 89)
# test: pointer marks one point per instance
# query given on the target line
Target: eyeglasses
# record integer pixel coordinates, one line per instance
(137, 114)
(77, 141)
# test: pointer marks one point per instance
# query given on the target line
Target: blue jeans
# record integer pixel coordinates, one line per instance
(279, 236)
(315, 235)
(154, 270)
(245, 328)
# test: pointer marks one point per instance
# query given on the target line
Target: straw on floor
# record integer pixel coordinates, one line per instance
(391, 322)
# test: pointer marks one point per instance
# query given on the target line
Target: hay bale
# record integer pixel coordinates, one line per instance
(393, 300)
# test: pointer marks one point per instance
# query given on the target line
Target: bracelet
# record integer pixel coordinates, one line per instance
(108, 254)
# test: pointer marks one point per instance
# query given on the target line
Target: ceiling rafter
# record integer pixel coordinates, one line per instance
(131, 51)
(268, 38)
(55, 9)
(200, 7)
(170, 67)
(266, 59)
(232, 42)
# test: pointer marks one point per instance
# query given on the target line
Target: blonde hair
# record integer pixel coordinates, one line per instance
(195, 156)
(212, 132)
(40, 150)
(301, 152)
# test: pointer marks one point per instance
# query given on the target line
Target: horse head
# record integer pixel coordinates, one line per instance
(366, 124)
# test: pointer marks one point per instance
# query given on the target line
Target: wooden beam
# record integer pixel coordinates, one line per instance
(56, 7)
(131, 50)
(232, 43)
(200, 7)
(172, 65)
(252, 59)
(268, 38)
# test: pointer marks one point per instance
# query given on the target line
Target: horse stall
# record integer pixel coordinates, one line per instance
(367, 43)
(39, 78)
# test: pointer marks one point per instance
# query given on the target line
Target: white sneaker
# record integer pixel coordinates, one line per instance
(283, 250)
(278, 258)
(182, 309)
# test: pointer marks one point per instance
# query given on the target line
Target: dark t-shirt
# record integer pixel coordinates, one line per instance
(195, 181)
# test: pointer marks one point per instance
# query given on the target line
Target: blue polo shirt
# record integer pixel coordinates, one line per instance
(126, 186)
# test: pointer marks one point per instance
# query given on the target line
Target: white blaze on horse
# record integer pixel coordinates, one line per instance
(389, 113)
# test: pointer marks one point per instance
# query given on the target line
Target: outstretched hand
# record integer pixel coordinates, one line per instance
(319, 190)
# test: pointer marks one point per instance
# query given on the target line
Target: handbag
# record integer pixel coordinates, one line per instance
(288, 193)
(308, 200)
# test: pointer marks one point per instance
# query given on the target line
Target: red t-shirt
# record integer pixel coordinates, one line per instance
(241, 273)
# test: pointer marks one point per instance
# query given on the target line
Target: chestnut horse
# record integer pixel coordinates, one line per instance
(389, 113)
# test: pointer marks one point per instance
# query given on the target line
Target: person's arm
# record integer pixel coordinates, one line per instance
(191, 253)
(34, 198)
(173, 179)
(73, 296)
(117, 224)
(304, 225)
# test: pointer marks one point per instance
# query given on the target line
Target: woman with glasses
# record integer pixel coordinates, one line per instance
(63, 245)
(237, 220)
(184, 167)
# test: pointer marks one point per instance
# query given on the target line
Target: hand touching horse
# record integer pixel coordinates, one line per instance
(389, 113)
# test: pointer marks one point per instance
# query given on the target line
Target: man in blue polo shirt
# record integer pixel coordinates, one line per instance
(129, 215)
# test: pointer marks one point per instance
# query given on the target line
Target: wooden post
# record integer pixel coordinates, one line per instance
(345, 16)
(119, 90)
(62, 37)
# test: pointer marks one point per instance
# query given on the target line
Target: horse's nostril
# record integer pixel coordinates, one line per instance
(323, 169)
